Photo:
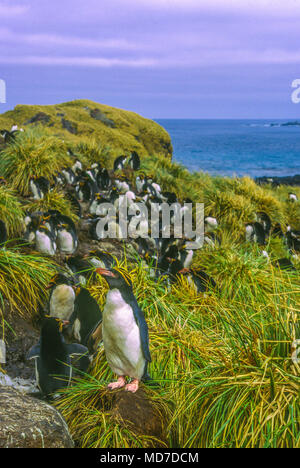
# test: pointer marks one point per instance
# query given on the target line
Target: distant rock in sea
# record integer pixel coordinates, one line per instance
(276, 181)
(294, 123)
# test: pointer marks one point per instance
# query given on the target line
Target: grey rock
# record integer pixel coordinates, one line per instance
(26, 422)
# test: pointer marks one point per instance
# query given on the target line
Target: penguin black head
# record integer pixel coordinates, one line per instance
(62, 227)
(53, 325)
(43, 227)
(117, 278)
(172, 252)
(59, 278)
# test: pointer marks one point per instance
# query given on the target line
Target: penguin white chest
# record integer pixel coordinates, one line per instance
(66, 242)
(121, 337)
(36, 194)
(93, 207)
(62, 302)
(97, 263)
(44, 244)
(189, 258)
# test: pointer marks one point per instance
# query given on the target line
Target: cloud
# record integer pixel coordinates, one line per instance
(150, 39)
(254, 6)
(279, 8)
(69, 41)
(205, 59)
(7, 11)
(98, 62)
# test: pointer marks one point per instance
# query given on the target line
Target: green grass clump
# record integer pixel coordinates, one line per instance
(33, 152)
(11, 211)
(93, 417)
(23, 278)
(53, 200)
(90, 151)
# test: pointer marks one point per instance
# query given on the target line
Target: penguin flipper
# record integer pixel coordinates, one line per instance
(143, 327)
(146, 377)
(34, 352)
(76, 349)
(83, 361)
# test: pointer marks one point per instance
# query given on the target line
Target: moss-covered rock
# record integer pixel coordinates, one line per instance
(121, 130)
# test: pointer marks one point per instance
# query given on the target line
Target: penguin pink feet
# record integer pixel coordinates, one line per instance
(121, 382)
(132, 386)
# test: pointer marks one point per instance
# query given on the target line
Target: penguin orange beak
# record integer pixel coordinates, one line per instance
(104, 272)
(184, 271)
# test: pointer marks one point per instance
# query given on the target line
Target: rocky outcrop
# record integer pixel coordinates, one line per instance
(39, 118)
(29, 423)
(98, 115)
(71, 127)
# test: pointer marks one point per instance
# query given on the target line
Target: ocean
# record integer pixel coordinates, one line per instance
(236, 147)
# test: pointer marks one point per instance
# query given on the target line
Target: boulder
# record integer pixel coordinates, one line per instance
(26, 422)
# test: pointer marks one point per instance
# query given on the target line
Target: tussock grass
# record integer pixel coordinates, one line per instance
(92, 151)
(53, 200)
(93, 417)
(11, 211)
(33, 152)
(23, 279)
(221, 361)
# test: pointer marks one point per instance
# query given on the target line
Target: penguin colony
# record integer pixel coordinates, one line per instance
(73, 326)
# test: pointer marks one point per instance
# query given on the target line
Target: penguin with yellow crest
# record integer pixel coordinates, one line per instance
(124, 331)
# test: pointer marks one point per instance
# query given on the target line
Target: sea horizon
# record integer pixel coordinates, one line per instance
(236, 147)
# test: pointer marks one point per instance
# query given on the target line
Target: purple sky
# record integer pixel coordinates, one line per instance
(161, 58)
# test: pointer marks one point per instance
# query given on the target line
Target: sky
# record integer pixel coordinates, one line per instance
(160, 58)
